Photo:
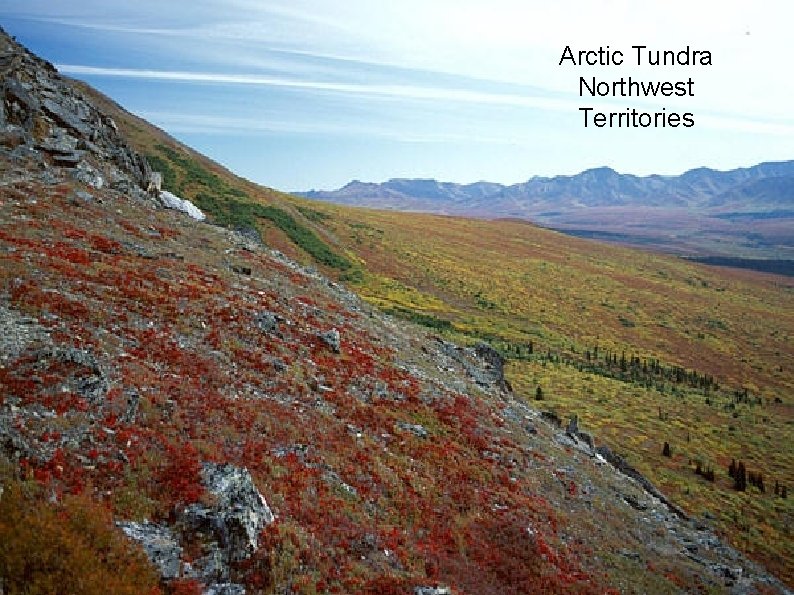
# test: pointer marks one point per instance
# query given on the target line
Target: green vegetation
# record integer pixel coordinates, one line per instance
(312, 214)
(231, 207)
(302, 236)
(427, 320)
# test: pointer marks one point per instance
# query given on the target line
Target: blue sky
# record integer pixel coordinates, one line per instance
(300, 94)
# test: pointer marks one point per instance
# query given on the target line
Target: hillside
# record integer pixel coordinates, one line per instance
(253, 425)
(745, 212)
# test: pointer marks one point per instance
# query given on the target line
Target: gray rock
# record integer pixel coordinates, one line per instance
(23, 106)
(432, 591)
(66, 118)
(494, 364)
(621, 465)
(238, 514)
(59, 143)
(19, 331)
(49, 178)
(573, 426)
(81, 196)
(224, 589)
(93, 385)
(133, 400)
(332, 339)
(87, 174)
(632, 501)
(267, 322)
(417, 430)
(68, 159)
(159, 543)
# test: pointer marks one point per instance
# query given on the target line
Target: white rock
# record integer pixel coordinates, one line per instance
(172, 201)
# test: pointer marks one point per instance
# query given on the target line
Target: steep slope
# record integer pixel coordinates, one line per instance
(166, 368)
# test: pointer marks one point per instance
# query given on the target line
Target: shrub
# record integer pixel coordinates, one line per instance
(71, 547)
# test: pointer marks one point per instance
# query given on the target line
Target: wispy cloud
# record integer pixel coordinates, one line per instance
(388, 91)
(225, 125)
(417, 93)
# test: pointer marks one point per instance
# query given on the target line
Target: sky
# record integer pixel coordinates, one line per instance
(310, 94)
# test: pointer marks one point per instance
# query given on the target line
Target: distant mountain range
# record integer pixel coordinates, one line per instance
(700, 212)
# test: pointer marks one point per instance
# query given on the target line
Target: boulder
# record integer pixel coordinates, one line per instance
(224, 589)
(159, 544)
(417, 430)
(432, 591)
(237, 515)
(332, 339)
(172, 201)
(267, 322)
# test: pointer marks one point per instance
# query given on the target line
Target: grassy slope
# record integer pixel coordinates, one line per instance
(513, 283)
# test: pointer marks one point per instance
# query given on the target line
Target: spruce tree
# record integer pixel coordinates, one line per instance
(740, 478)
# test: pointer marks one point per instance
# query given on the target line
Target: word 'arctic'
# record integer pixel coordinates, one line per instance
(604, 56)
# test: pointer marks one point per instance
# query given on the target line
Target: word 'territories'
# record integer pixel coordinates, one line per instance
(639, 56)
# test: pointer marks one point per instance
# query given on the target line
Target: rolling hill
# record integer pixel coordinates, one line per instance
(294, 396)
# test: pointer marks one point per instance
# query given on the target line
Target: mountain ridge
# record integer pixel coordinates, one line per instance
(601, 200)
(691, 186)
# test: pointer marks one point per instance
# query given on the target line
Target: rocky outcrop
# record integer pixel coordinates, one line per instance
(432, 591)
(19, 331)
(621, 465)
(332, 340)
(45, 119)
(228, 529)
(159, 543)
(236, 516)
(482, 363)
(417, 430)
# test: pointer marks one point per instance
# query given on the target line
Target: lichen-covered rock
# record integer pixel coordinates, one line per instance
(432, 591)
(159, 543)
(48, 118)
(417, 430)
(225, 589)
(332, 339)
(238, 514)
(267, 322)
